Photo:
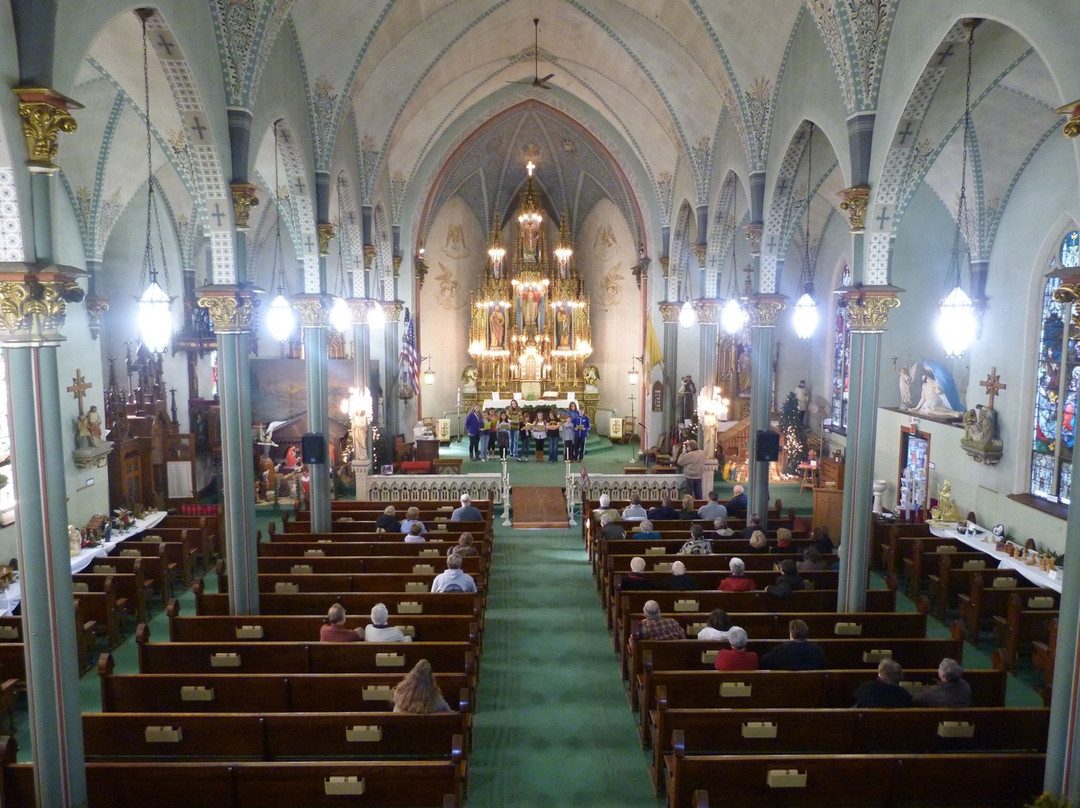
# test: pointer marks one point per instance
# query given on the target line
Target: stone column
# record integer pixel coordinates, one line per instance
(708, 316)
(763, 310)
(1062, 749)
(866, 312)
(361, 465)
(34, 299)
(313, 311)
(669, 313)
(232, 310)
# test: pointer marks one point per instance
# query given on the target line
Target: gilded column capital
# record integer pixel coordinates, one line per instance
(708, 311)
(393, 309)
(360, 308)
(665, 266)
(243, 200)
(669, 311)
(867, 309)
(369, 256)
(45, 113)
(700, 251)
(313, 311)
(326, 231)
(1072, 126)
(396, 261)
(641, 271)
(33, 302)
(764, 310)
(853, 203)
(231, 308)
(753, 235)
(95, 307)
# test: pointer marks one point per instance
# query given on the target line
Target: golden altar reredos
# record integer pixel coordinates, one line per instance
(530, 331)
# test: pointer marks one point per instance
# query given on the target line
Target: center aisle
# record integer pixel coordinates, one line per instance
(552, 722)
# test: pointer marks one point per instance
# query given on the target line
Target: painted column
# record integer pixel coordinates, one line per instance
(391, 348)
(669, 313)
(763, 310)
(313, 311)
(708, 315)
(34, 297)
(1063, 744)
(866, 312)
(232, 310)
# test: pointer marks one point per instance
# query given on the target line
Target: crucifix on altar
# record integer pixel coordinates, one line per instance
(91, 449)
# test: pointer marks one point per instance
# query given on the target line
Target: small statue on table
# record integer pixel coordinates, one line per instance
(74, 541)
(947, 509)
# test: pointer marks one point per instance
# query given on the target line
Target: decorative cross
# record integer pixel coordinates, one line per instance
(906, 132)
(218, 214)
(772, 244)
(781, 189)
(530, 167)
(165, 44)
(993, 384)
(309, 244)
(299, 185)
(883, 217)
(945, 54)
(79, 388)
(799, 138)
(199, 127)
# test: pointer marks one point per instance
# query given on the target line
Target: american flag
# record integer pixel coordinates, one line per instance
(409, 360)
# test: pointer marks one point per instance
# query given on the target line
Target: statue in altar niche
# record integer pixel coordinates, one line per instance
(497, 329)
(564, 329)
(592, 379)
(687, 400)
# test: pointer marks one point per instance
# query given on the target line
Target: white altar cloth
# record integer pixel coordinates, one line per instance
(985, 541)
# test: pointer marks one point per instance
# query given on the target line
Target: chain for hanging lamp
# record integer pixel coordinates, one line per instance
(956, 313)
(280, 317)
(340, 317)
(805, 317)
(733, 316)
(154, 317)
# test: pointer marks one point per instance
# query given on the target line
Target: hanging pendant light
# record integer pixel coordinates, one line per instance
(280, 317)
(805, 317)
(687, 315)
(340, 316)
(956, 322)
(154, 317)
(733, 317)
(376, 315)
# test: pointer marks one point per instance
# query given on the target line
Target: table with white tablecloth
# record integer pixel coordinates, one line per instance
(985, 541)
(11, 597)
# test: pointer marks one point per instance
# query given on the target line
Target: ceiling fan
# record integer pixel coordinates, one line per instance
(536, 81)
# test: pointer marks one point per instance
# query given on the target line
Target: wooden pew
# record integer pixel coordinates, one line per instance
(209, 531)
(432, 549)
(173, 554)
(832, 688)
(272, 736)
(11, 630)
(152, 568)
(365, 531)
(243, 784)
(845, 732)
(650, 656)
(1042, 657)
(355, 582)
(100, 609)
(131, 590)
(181, 546)
(1020, 628)
(924, 559)
(296, 628)
(405, 603)
(888, 540)
(954, 578)
(978, 607)
(323, 565)
(866, 781)
(261, 692)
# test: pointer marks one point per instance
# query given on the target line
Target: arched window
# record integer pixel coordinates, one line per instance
(1057, 382)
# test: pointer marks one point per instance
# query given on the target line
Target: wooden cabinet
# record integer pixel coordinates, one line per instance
(831, 471)
(829, 509)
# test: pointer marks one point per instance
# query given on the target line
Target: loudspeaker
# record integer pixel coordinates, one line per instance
(768, 446)
(313, 448)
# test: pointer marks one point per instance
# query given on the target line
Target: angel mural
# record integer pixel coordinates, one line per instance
(611, 287)
(605, 245)
(447, 292)
(455, 246)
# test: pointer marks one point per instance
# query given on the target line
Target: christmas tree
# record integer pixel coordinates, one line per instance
(793, 433)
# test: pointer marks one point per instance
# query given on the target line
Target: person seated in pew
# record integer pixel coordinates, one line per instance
(657, 627)
(737, 581)
(736, 658)
(333, 628)
(797, 654)
(380, 629)
(758, 542)
(688, 510)
(718, 626)
(419, 693)
(388, 521)
(412, 516)
(635, 579)
(736, 506)
(464, 546)
(952, 690)
(811, 561)
(697, 544)
(454, 579)
(783, 541)
(605, 507)
(789, 574)
(680, 579)
(467, 512)
(753, 524)
(665, 511)
(885, 691)
(634, 510)
(645, 531)
(721, 529)
(822, 541)
(608, 528)
(415, 534)
(712, 509)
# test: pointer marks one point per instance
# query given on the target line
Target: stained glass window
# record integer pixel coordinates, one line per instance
(841, 365)
(1057, 385)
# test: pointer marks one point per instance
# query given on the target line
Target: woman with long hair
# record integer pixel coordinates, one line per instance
(513, 414)
(418, 692)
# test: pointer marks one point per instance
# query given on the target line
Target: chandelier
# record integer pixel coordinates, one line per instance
(733, 317)
(280, 317)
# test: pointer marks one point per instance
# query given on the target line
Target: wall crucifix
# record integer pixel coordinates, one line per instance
(79, 387)
(993, 385)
